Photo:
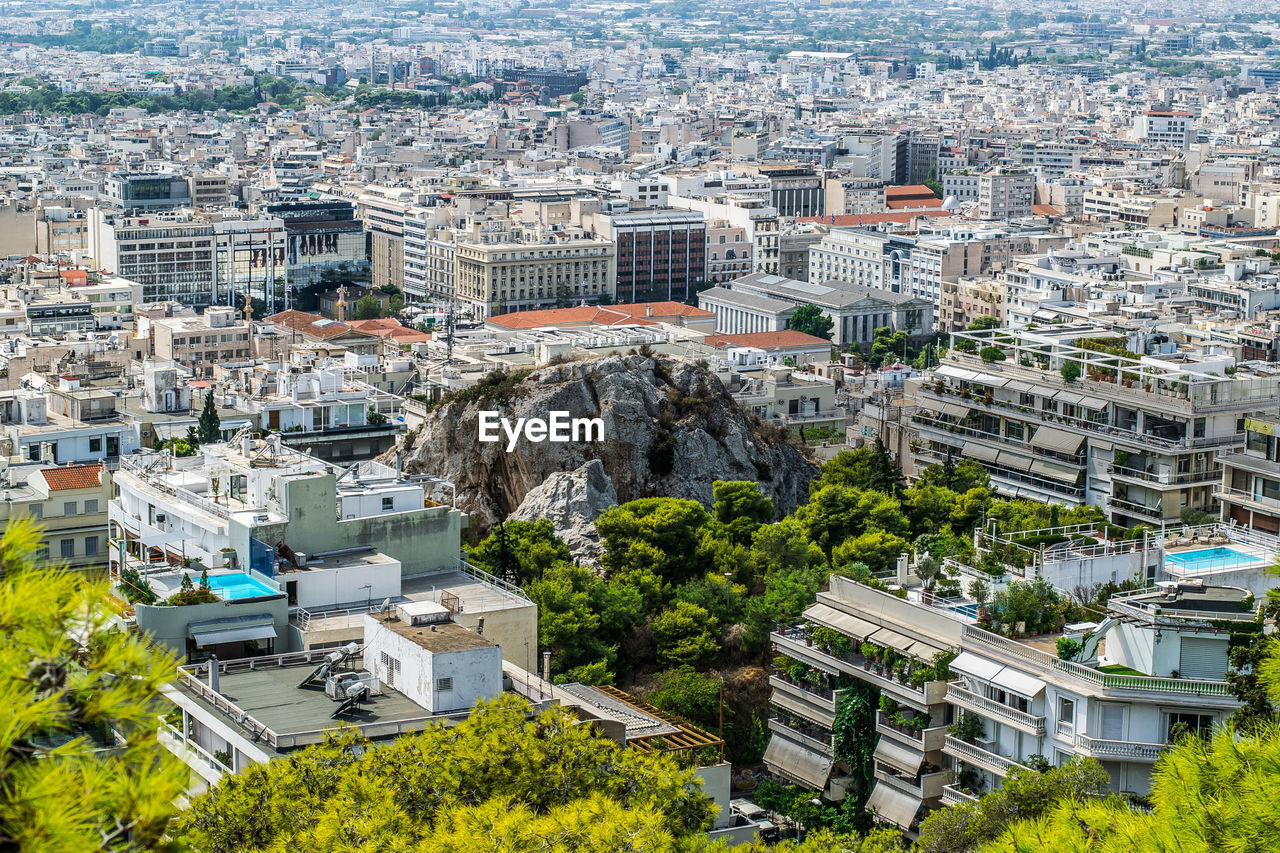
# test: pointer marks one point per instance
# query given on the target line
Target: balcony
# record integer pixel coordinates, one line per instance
(791, 642)
(985, 707)
(802, 733)
(925, 740)
(979, 757)
(1240, 496)
(1153, 514)
(1169, 479)
(953, 796)
(819, 697)
(1119, 750)
(926, 786)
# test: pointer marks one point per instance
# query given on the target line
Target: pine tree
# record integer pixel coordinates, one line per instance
(210, 428)
(64, 698)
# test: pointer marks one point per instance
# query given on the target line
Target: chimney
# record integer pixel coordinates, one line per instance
(214, 679)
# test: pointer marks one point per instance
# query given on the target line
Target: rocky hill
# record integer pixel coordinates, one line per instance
(670, 429)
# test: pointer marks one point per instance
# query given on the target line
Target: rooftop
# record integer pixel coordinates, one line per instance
(437, 637)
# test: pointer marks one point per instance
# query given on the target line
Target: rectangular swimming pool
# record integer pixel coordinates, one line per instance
(1205, 557)
(239, 585)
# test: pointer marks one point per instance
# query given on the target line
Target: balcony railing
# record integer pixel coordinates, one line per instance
(1154, 513)
(953, 796)
(810, 736)
(821, 697)
(1169, 478)
(1105, 680)
(791, 641)
(1120, 749)
(1251, 497)
(978, 756)
(983, 706)
(926, 740)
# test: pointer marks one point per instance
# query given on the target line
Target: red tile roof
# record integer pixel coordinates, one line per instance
(72, 477)
(387, 328)
(904, 217)
(1045, 210)
(767, 340)
(304, 323)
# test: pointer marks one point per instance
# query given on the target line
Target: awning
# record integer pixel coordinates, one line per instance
(1020, 387)
(1069, 397)
(898, 756)
(234, 635)
(841, 621)
(981, 452)
(989, 379)
(790, 759)
(1055, 471)
(155, 540)
(1016, 461)
(923, 650)
(892, 639)
(1093, 403)
(1048, 438)
(967, 663)
(956, 372)
(1018, 682)
(953, 409)
(897, 807)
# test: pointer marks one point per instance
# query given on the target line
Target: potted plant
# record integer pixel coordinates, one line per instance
(968, 727)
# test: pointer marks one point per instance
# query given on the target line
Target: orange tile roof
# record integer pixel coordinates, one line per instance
(767, 340)
(1045, 210)
(387, 328)
(301, 321)
(635, 313)
(904, 217)
(72, 477)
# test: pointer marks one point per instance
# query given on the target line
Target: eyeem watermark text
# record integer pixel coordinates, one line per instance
(558, 427)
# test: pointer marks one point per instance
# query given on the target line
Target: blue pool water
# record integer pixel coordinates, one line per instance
(970, 610)
(1218, 557)
(239, 585)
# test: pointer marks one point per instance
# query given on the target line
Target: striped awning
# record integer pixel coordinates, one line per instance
(896, 806)
(851, 626)
(1055, 471)
(787, 758)
(981, 452)
(1048, 438)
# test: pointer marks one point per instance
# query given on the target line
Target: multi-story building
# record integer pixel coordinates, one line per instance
(170, 255)
(728, 252)
(1165, 128)
(1134, 435)
(61, 230)
(846, 196)
(795, 189)
(219, 336)
(208, 189)
(748, 210)
(63, 423)
(70, 504)
(1005, 194)
(502, 266)
(383, 211)
(320, 237)
(145, 192)
(966, 299)
(661, 253)
(1250, 488)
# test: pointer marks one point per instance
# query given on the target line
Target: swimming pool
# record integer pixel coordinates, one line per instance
(1205, 557)
(239, 585)
(969, 609)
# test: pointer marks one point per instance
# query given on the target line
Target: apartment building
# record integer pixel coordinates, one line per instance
(383, 211)
(208, 189)
(503, 266)
(63, 422)
(846, 196)
(70, 504)
(145, 192)
(1005, 194)
(1135, 436)
(1165, 128)
(219, 336)
(1250, 488)
(967, 298)
(1028, 703)
(745, 207)
(728, 253)
(170, 255)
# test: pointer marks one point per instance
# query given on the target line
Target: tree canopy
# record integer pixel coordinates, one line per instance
(810, 320)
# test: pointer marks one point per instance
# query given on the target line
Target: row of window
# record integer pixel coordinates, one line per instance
(67, 548)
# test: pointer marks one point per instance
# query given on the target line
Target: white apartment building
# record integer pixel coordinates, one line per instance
(1005, 194)
(1165, 128)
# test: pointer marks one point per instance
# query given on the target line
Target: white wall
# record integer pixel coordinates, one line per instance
(476, 673)
(321, 587)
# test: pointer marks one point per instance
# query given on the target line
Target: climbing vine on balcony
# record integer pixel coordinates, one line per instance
(855, 735)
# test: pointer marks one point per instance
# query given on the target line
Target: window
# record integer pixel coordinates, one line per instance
(90, 546)
(388, 504)
(42, 552)
(90, 507)
(69, 508)
(1179, 724)
(67, 547)
(389, 667)
(444, 685)
(95, 445)
(1066, 710)
(37, 511)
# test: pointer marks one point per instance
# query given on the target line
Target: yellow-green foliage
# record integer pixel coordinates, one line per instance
(67, 683)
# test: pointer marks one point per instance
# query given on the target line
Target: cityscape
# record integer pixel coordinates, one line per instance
(821, 426)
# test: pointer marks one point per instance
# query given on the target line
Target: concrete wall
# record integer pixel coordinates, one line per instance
(715, 781)
(168, 625)
(476, 673)
(514, 629)
(320, 587)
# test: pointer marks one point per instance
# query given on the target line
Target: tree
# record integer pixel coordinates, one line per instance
(500, 780)
(368, 307)
(660, 534)
(810, 320)
(209, 427)
(686, 635)
(568, 620)
(931, 181)
(877, 549)
(1025, 794)
(1070, 371)
(688, 693)
(534, 544)
(985, 322)
(69, 681)
(741, 507)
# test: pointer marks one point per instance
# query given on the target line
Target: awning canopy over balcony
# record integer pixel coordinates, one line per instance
(981, 452)
(1055, 471)
(790, 759)
(897, 807)
(899, 757)
(967, 663)
(216, 631)
(1015, 461)
(953, 409)
(841, 621)
(1048, 438)
(1019, 683)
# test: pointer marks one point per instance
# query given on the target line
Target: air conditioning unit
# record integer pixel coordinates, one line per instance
(336, 686)
(160, 518)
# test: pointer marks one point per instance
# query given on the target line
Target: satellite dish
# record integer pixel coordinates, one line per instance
(385, 605)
